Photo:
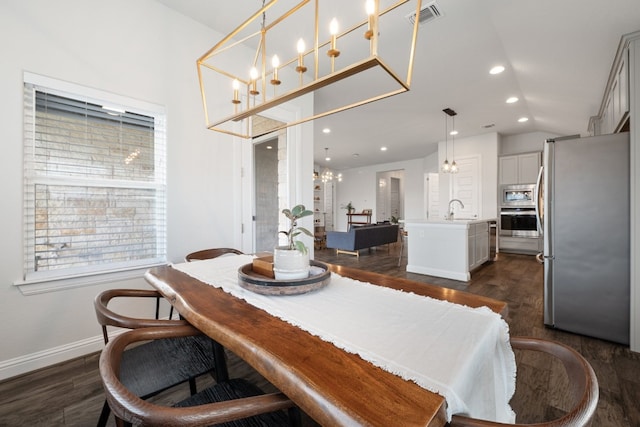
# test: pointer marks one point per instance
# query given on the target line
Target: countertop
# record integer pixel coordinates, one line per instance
(455, 221)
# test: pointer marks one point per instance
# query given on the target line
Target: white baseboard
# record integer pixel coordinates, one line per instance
(41, 359)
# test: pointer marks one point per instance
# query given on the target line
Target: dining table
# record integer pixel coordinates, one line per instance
(331, 382)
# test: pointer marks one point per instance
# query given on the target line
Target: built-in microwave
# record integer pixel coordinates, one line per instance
(518, 195)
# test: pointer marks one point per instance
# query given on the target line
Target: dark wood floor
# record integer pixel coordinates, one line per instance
(70, 394)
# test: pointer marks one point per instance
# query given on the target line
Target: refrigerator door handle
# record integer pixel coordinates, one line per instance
(540, 257)
(537, 199)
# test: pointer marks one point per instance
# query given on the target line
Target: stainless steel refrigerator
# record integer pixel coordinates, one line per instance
(583, 206)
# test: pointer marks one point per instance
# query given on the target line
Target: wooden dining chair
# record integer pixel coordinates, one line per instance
(583, 386)
(210, 253)
(150, 368)
(231, 401)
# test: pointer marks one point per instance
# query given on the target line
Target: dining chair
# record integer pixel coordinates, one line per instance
(236, 402)
(150, 368)
(210, 253)
(583, 386)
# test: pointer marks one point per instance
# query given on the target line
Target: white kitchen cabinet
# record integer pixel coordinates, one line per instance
(478, 241)
(519, 168)
(614, 110)
(521, 245)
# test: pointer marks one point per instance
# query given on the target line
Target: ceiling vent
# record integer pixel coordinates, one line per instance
(428, 13)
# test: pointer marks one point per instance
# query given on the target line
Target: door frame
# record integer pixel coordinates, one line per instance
(298, 164)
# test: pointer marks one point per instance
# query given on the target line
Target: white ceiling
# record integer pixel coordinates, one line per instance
(557, 54)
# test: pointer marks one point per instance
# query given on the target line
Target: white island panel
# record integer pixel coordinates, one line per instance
(449, 249)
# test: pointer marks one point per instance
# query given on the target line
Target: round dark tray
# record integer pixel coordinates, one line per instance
(255, 282)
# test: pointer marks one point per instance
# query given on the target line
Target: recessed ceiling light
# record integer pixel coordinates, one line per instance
(496, 70)
(269, 147)
(512, 100)
(326, 130)
(523, 119)
(383, 148)
(453, 132)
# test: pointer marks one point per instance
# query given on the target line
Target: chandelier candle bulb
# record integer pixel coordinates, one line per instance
(236, 89)
(333, 29)
(301, 48)
(275, 62)
(253, 74)
(370, 8)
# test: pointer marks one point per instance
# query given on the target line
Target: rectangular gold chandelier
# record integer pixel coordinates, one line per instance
(242, 78)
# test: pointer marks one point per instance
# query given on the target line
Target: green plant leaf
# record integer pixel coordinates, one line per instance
(296, 210)
(305, 231)
(301, 247)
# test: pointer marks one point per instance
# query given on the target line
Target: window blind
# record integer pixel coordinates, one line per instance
(94, 185)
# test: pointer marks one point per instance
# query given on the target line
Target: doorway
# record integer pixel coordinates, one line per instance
(266, 215)
(389, 195)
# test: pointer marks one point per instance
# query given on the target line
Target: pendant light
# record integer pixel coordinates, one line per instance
(446, 167)
(454, 166)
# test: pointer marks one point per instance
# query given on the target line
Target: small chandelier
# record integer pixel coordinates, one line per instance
(446, 167)
(288, 59)
(328, 175)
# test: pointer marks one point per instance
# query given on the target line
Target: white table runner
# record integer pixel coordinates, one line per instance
(459, 352)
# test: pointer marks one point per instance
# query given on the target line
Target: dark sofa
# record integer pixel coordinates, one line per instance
(362, 237)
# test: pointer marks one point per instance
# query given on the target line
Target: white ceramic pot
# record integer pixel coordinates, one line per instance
(290, 264)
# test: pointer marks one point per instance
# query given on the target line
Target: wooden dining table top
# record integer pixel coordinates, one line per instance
(334, 387)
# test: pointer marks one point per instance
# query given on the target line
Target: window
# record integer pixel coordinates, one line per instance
(94, 182)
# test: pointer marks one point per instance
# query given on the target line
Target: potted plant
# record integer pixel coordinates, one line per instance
(349, 207)
(292, 261)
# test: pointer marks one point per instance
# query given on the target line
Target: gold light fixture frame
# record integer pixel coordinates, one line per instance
(247, 109)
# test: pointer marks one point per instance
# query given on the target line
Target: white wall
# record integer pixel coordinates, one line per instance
(358, 186)
(134, 48)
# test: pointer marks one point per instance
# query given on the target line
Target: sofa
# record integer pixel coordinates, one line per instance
(362, 237)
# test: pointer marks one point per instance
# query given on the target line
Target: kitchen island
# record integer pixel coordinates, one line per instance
(447, 248)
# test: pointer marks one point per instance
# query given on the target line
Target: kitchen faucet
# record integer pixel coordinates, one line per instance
(450, 213)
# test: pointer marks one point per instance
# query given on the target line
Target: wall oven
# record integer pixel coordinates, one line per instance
(518, 211)
(519, 222)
